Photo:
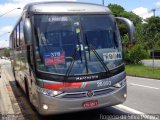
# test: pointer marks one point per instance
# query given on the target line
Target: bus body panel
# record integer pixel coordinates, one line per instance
(65, 8)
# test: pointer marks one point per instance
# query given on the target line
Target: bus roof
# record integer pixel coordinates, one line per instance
(65, 7)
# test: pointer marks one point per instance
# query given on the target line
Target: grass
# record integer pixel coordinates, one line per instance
(143, 71)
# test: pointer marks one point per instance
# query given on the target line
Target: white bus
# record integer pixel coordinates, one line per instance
(67, 56)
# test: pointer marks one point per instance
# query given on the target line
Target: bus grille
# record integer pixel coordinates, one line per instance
(84, 94)
(74, 95)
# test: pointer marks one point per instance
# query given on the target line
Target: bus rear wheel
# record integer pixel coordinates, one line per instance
(14, 75)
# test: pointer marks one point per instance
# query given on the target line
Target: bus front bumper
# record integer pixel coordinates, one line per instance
(60, 105)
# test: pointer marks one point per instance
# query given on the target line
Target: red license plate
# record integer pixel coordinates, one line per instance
(90, 103)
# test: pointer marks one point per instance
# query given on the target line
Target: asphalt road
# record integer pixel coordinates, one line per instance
(144, 95)
(143, 98)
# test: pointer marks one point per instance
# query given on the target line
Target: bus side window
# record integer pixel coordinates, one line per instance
(15, 38)
(21, 41)
(18, 32)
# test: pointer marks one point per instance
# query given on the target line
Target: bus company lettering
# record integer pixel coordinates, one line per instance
(93, 77)
(103, 83)
(57, 18)
(112, 56)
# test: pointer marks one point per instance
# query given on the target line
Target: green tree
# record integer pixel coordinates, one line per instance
(132, 16)
(116, 9)
(5, 52)
(152, 32)
(132, 53)
(135, 54)
(120, 11)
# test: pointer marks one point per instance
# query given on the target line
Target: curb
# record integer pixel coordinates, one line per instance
(7, 104)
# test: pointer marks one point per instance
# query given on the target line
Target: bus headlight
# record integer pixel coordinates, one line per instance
(120, 84)
(48, 92)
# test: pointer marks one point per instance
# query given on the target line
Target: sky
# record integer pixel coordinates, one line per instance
(9, 14)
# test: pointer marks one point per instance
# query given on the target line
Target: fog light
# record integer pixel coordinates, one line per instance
(45, 107)
(125, 95)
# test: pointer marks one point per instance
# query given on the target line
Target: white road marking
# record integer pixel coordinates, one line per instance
(143, 115)
(129, 109)
(143, 86)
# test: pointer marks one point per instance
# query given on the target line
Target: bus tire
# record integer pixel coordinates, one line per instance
(16, 82)
(28, 94)
(27, 89)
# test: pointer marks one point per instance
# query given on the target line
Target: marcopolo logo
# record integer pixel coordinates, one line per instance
(112, 56)
(90, 93)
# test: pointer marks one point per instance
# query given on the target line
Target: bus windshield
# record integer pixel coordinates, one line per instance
(76, 44)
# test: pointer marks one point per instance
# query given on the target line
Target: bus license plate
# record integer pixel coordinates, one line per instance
(90, 103)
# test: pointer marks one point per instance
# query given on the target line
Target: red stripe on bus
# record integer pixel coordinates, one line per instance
(61, 86)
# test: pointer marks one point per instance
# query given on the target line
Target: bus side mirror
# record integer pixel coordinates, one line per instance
(27, 31)
(130, 27)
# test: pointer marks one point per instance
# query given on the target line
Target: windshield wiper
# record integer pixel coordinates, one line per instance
(100, 59)
(96, 54)
(76, 51)
(88, 47)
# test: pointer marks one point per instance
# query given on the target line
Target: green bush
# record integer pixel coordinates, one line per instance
(135, 54)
